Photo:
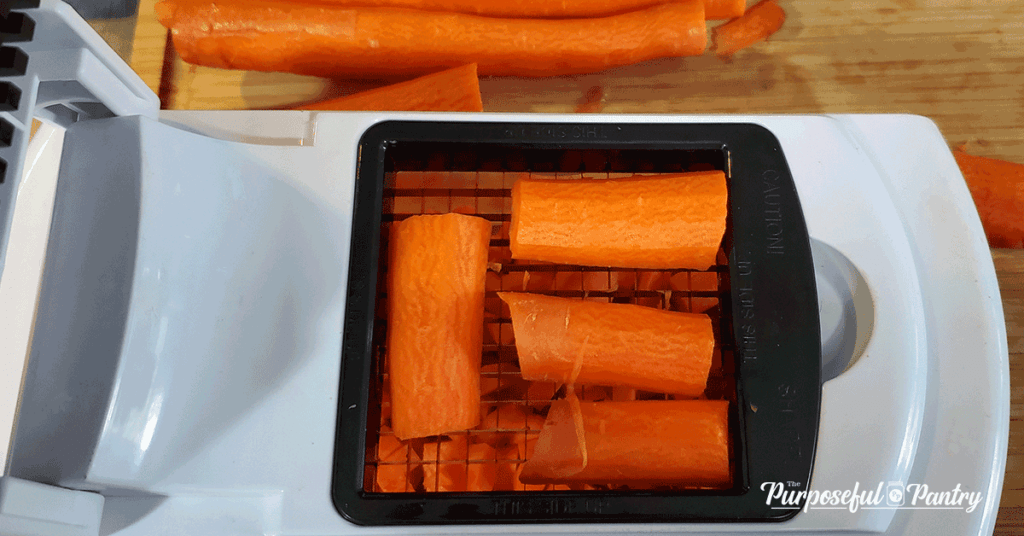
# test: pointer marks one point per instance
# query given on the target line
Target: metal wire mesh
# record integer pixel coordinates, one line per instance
(488, 458)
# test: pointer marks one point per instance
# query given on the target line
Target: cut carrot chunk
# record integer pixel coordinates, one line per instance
(482, 468)
(618, 344)
(331, 41)
(672, 221)
(435, 328)
(756, 25)
(997, 187)
(647, 442)
(724, 9)
(453, 90)
(449, 471)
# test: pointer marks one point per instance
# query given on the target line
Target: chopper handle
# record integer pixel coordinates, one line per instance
(56, 68)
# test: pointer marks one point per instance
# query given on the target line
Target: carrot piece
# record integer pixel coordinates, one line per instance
(617, 344)
(323, 40)
(671, 221)
(646, 442)
(757, 24)
(392, 457)
(453, 90)
(449, 473)
(997, 187)
(724, 9)
(482, 468)
(435, 327)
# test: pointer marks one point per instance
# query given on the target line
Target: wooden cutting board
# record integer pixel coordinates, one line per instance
(958, 62)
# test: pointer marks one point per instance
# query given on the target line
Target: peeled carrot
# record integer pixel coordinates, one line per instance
(682, 442)
(724, 9)
(671, 221)
(323, 40)
(435, 322)
(757, 24)
(534, 9)
(454, 90)
(616, 344)
(997, 187)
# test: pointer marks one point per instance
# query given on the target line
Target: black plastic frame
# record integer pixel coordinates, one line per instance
(774, 314)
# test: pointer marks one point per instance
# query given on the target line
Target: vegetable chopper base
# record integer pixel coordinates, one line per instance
(206, 404)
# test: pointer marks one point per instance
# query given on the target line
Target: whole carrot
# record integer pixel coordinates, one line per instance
(539, 9)
(454, 90)
(328, 41)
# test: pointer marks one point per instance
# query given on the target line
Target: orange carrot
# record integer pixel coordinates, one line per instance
(617, 344)
(449, 472)
(435, 326)
(323, 40)
(454, 90)
(724, 9)
(646, 442)
(393, 457)
(997, 187)
(482, 468)
(671, 221)
(538, 9)
(754, 26)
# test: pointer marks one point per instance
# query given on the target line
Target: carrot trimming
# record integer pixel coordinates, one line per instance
(997, 187)
(452, 90)
(680, 442)
(672, 221)
(331, 41)
(757, 24)
(435, 323)
(612, 343)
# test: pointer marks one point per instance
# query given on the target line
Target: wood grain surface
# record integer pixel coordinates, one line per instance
(958, 62)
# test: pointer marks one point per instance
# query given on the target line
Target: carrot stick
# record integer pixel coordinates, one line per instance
(620, 344)
(997, 187)
(683, 442)
(435, 325)
(672, 221)
(754, 26)
(724, 9)
(454, 90)
(331, 41)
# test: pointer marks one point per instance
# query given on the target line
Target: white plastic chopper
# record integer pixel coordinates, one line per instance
(178, 310)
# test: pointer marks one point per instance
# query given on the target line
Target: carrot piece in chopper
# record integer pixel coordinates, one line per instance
(435, 327)
(616, 344)
(670, 221)
(684, 442)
